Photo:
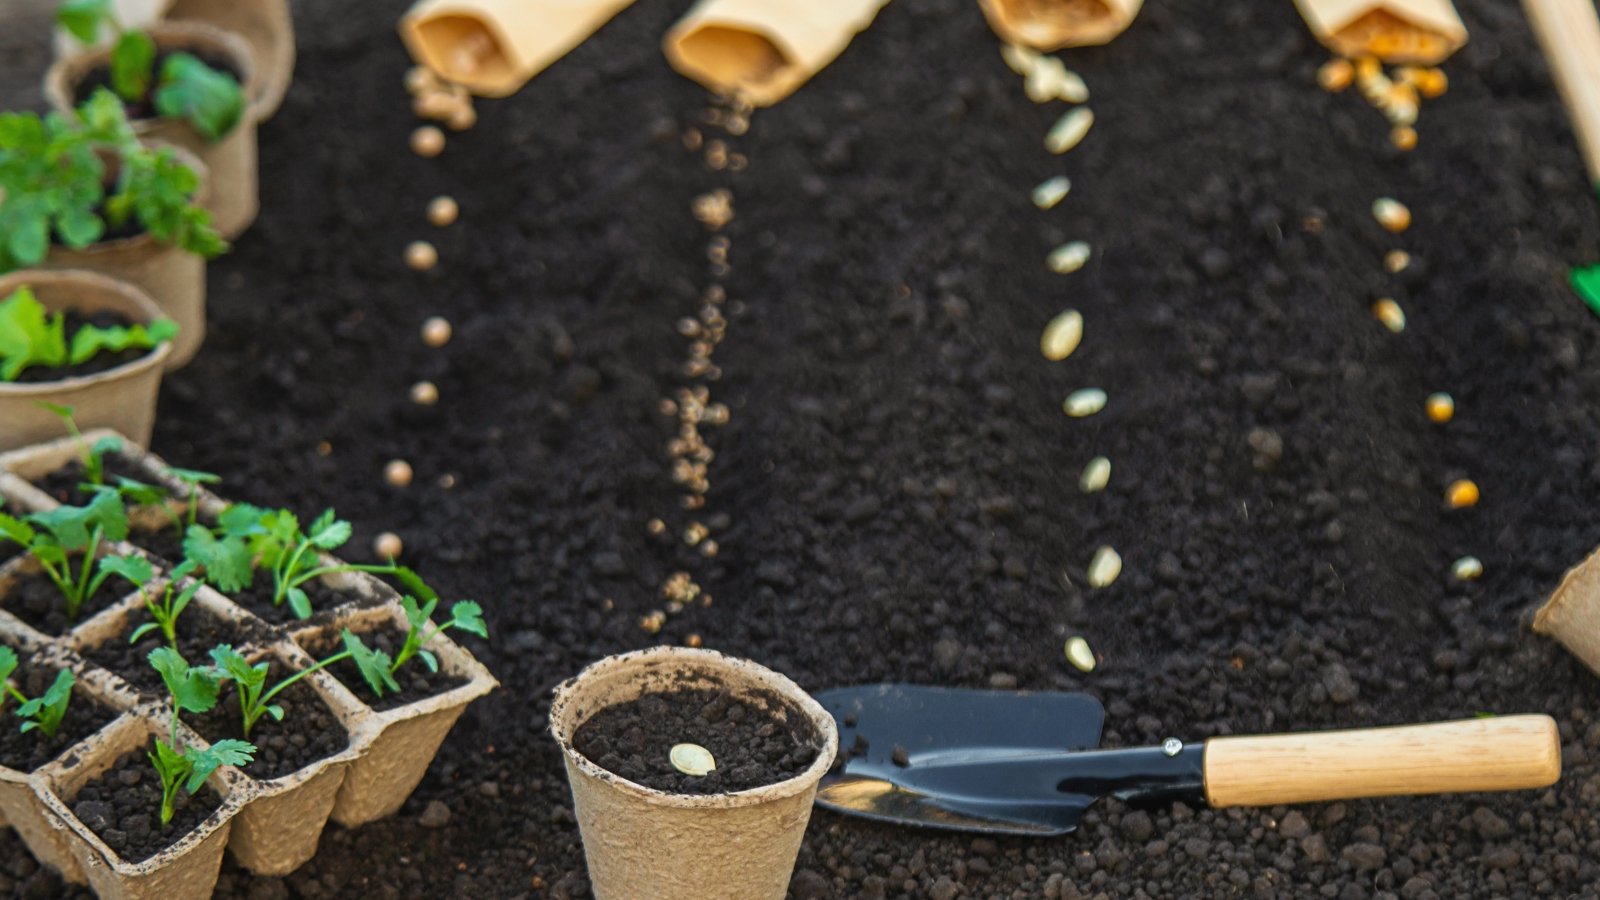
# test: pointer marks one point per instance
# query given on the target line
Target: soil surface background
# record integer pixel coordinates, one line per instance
(898, 480)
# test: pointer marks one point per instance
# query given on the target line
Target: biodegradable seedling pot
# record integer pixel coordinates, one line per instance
(1572, 614)
(763, 50)
(1423, 32)
(234, 198)
(492, 47)
(641, 842)
(1055, 24)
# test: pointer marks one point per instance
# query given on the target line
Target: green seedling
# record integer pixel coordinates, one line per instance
(44, 713)
(93, 456)
(378, 670)
(31, 336)
(193, 690)
(141, 494)
(66, 541)
(165, 605)
(255, 699)
(185, 88)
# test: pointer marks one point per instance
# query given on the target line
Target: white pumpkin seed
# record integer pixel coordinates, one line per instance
(1085, 402)
(1096, 475)
(1051, 191)
(1069, 130)
(1062, 335)
(1390, 314)
(1467, 568)
(1021, 59)
(1069, 257)
(1079, 654)
(692, 759)
(1072, 87)
(1040, 84)
(1104, 568)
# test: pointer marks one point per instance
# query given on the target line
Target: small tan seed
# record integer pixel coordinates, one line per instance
(1079, 654)
(1070, 130)
(427, 142)
(1390, 314)
(462, 117)
(388, 545)
(1336, 75)
(692, 641)
(1069, 257)
(1096, 475)
(1051, 192)
(1021, 59)
(1433, 83)
(1403, 137)
(398, 473)
(424, 393)
(421, 256)
(1467, 568)
(443, 211)
(1104, 567)
(1085, 402)
(1062, 336)
(436, 332)
(1462, 494)
(420, 79)
(1441, 408)
(1391, 214)
(1396, 261)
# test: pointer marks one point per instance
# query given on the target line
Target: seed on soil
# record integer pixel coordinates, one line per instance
(1391, 214)
(1079, 654)
(420, 79)
(1069, 257)
(1062, 335)
(1396, 261)
(695, 533)
(714, 210)
(692, 759)
(1467, 568)
(1051, 191)
(436, 332)
(1433, 83)
(655, 527)
(397, 473)
(1104, 567)
(421, 256)
(653, 621)
(1050, 80)
(1021, 59)
(1403, 137)
(427, 142)
(424, 393)
(692, 641)
(462, 117)
(1084, 402)
(1069, 130)
(443, 211)
(709, 548)
(1441, 407)
(388, 545)
(1096, 475)
(1336, 75)
(1462, 494)
(1390, 314)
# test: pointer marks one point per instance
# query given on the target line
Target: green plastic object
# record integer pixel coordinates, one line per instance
(1586, 281)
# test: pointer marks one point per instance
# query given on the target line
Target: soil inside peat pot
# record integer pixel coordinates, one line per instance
(257, 598)
(123, 808)
(309, 732)
(64, 483)
(198, 629)
(25, 752)
(100, 362)
(165, 544)
(415, 680)
(36, 600)
(145, 107)
(755, 740)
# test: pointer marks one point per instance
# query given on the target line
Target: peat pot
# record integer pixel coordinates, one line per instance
(123, 398)
(234, 198)
(641, 842)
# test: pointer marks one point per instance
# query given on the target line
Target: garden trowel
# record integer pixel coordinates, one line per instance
(1025, 763)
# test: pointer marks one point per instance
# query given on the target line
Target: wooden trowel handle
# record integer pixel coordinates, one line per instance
(1492, 754)
(1569, 31)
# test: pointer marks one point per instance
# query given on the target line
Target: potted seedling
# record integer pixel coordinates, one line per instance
(163, 602)
(696, 815)
(61, 576)
(78, 339)
(182, 83)
(83, 194)
(78, 480)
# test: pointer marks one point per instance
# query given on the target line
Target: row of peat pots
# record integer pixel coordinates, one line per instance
(87, 800)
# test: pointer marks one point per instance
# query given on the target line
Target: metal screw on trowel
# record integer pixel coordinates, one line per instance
(1171, 746)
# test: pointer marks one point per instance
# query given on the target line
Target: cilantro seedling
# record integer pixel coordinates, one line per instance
(45, 712)
(154, 495)
(30, 335)
(378, 670)
(165, 605)
(65, 541)
(192, 690)
(93, 456)
(255, 700)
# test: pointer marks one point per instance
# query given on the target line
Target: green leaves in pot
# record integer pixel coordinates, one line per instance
(31, 336)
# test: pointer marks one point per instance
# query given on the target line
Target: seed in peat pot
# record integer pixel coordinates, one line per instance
(424, 393)
(1084, 402)
(1104, 567)
(1391, 214)
(1467, 568)
(1021, 59)
(1096, 475)
(692, 759)
(427, 142)
(443, 211)
(436, 332)
(1462, 494)
(1079, 654)
(1441, 407)
(652, 622)
(1062, 335)
(397, 473)
(1069, 257)
(1403, 137)
(421, 256)
(388, 545)
(1069, 130)
(1051, 191)
(1390, 314)
(1396, 261)
(1335, 75)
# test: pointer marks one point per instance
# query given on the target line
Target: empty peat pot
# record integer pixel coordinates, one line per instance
(646, 843)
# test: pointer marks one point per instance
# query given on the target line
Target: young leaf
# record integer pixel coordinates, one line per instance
(468, 616)
(16, 530)
(328, 532)
(192, 689)
(374, 664)
(233, 664)
(417, 616)
(193, 477)
(223, 753)
(411, 582)
(226, 561)
(241, 520)
(428, 659)
(8, 664)
(91, 340)
(139, 493)
(45, 713)
(29, 334)
(299, 603)
(207, 99)
(133, 61)
(72, 525)
(82, 18)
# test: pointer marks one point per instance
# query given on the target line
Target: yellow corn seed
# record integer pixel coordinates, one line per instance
(1403, 137)
(1393, 215)
(1467, 568)
(1462, 494)
(1396, 261)
(1336, 75)
(1390, 314)
(1433, 83)
(1441, 407)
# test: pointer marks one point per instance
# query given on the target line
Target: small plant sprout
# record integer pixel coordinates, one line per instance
(378, 670)
(93, 456)
(193, 690)
(56, 537)
(164, 605)
(43, 713)
(255, 700)
(142, 494)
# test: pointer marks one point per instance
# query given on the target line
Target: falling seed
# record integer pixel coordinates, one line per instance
(387, 545)
(436, 332)
(1433, 83)
(1467, 568)
(1096, 475)
(424, 393)
(1390, 314)
(1441, 408)
(1062, 335)
(1335, 75)
(1051, 191)
(1403, 137)
(397, 473)
(1068, 258)
(1391, 214)
(1104, 568)
(421, 256)
(1050, 80)
(427, 142)
(443, 211)
(463, 117)
(1069, 130)
(652, 622)
(1079, 654)
(1396, 261)
(692, 759)
(1085, 402)
(1072, 87)
(692, 640)
(1462, 494)
(420, 79)
(1021, 59)
(324, 448)
(447, 481)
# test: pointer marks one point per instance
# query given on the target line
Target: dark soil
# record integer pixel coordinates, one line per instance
(64, 484)
(753, 745)
(123, 807)
(100, 362)
(416, 682)
(25, 752)
(165, 544)
(36, 600)
(897, 478)
(145, 107)
(198, 631)
(309, 732)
